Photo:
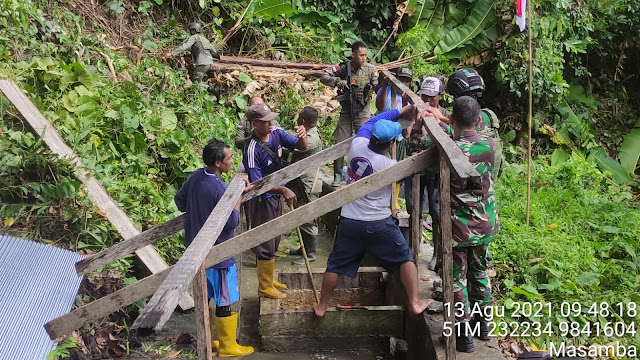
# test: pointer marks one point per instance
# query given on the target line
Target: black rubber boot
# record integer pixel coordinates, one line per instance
(484, 326)
(338, 164)
(214, 91)
(310, 244)
(464, 338)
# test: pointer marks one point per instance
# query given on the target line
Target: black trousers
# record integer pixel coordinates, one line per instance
(261, 211)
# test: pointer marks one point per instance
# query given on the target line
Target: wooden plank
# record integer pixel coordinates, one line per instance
(203, 321)
(298, 168)
(447, 252)
(164, 301)
(172, 226)
(458, 162)
(416, 217)
(102, 307)
(130, 245)
(120, 221)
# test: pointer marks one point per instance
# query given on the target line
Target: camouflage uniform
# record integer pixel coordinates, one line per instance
(314, 145)
(489, 126)
(474, 224)
(366, 80)
(202, 53)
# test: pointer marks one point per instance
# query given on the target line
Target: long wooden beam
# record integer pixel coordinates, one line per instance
(174, 225)
(458, 162)
(165, 299)
(115, 215)
(247, 240)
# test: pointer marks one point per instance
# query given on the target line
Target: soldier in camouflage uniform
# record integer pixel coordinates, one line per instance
(364, 80)
(467, 82)
(202, 53)
(474, 220)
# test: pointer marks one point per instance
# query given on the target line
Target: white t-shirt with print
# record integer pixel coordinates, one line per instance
(364, 162)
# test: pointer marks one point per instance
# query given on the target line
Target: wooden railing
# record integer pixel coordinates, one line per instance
(169, 283)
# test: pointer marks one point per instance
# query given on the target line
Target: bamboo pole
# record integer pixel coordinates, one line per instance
(306, 261)
(530, 111)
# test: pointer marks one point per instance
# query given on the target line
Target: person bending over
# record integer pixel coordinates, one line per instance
(366, 225)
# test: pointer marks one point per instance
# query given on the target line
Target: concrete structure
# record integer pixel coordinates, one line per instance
(290, 324)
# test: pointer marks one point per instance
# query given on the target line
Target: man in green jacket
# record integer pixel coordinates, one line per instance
(202, 53)
(356, 107)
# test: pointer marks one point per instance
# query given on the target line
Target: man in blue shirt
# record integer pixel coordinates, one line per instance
(366, 225)
(198, 197)
(262, 156)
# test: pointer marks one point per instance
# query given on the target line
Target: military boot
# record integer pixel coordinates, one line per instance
(483, 324)
(464, 338)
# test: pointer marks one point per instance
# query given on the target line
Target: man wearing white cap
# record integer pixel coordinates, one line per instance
(430, 92)
(366, 224)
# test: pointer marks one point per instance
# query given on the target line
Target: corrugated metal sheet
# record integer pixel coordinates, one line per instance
(38, 283)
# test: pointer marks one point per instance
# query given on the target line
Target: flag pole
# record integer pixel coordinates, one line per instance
(530, 111)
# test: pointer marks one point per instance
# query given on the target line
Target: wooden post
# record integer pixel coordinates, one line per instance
(416, 217)
(394, 194)
(203, 321)
(447, 252)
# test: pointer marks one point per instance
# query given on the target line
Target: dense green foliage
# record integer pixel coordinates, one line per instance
(140, 137)
(581, 245)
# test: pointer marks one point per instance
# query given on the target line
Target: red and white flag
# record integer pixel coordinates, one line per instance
(521, 11)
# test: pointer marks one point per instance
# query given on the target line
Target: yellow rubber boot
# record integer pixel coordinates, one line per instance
(226, 328)
(278, 285)
(212, 320)
(266, 286)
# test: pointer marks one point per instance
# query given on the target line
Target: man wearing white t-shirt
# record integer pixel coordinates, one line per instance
(366, 225)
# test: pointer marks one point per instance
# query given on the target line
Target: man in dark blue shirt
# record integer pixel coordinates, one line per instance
(198, 197)
(262, 156)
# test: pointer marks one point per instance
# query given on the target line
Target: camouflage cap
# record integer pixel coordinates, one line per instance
(260, 112)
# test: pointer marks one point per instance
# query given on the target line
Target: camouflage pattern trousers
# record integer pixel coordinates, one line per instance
(471, 284)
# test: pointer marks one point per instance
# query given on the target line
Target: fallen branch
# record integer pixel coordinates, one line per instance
(237, 24)
(110, 65)
(402, 8)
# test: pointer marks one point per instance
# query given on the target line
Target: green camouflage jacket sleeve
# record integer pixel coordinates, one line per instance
(185, 46)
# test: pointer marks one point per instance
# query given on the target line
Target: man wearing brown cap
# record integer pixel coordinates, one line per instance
(262, 156)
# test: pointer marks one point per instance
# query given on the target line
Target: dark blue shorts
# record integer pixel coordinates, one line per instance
(381, 238)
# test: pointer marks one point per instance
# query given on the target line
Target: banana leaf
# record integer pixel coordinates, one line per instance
(630, 149)
(606, 163)
(422, 10)
(482, 17)
(270, 8)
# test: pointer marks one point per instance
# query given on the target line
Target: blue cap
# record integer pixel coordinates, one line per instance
(385, 131)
